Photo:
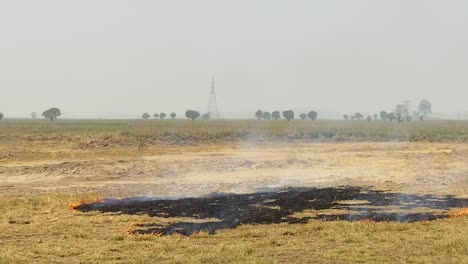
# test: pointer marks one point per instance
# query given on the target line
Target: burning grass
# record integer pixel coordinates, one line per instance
(340, 227)
(277, 206)
(54, 235)
(76, 205)
(459, 213)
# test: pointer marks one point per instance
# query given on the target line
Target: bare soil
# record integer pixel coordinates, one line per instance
(436, 168)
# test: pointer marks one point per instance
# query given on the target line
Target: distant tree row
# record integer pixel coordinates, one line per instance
(191, 114)
(260, 114)
(401, 113)
(51, 114)
(288, 115)
(158, 116)
(267, 115)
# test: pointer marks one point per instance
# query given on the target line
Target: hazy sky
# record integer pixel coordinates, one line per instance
(91, 57)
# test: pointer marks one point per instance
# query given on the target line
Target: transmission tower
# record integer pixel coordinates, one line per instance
(213, 110)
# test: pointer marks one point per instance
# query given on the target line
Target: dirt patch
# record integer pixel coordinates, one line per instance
(400, 167)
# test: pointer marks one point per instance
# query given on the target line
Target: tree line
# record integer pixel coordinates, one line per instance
(401, 113)
(51, 114)
(260, 114)
(158, 116)
(288, 115)
(191, 114)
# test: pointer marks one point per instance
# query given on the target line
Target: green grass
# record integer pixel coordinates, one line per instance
(226, 130)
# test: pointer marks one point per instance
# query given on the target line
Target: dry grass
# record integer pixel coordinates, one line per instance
(179, 131)
(42, 229)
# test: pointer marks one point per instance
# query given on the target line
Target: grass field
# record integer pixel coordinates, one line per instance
(389, 171)
(180, 130)
(41, 229)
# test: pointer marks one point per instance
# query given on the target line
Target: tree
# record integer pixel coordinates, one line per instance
(173, 115)
(407, 104)
(383, 115)
(425, 108)
(358, 116)
(312, 115)
(346, 117)
(33, 115)
(259, 114)
(156, 116)
(402, 109)
(266, 115)
(409, 119)
(369, 118)
(1, 116)
(162, 115)
(303, 116)
(376, 116)
(276, 115)
(206, 116)
(52, 113)
(192, 114)
(145, 116)
(391, 116)
(288, 114)
(399, 117)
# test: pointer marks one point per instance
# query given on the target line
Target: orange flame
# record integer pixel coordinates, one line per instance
(459, 213)
(158, 234)
(131, 232)
(75, 205)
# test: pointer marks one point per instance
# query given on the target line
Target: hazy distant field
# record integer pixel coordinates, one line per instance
(272, 191)
(199, 131)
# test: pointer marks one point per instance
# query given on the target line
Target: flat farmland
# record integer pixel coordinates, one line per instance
(245, 191)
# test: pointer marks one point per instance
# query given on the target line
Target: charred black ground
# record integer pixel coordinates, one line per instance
(279, 206)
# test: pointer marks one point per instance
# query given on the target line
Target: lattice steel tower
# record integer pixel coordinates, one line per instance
(213, 105)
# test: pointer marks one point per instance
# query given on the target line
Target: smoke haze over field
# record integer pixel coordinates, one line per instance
(113, 56)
